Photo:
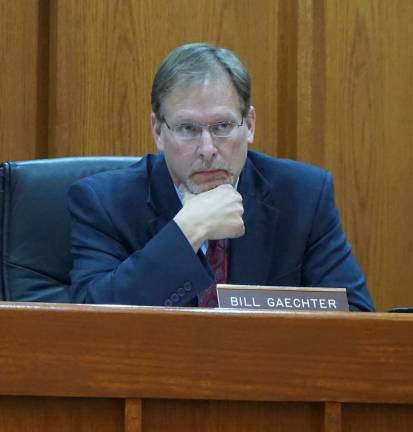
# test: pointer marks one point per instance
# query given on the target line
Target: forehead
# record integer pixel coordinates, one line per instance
(209, 100)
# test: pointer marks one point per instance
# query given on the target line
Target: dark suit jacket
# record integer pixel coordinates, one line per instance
(128, 250)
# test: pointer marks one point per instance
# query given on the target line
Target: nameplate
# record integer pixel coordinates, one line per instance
(301, 299)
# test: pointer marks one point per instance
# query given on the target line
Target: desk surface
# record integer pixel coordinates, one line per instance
(183, 353)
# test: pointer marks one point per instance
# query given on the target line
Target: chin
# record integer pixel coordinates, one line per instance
(197, 188)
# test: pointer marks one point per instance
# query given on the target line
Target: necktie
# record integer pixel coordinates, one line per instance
(217, 258)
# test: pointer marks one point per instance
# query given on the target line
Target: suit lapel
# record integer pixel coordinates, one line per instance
(162, 198)
(251, 254)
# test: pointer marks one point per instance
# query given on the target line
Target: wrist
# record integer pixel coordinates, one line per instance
(193, 231)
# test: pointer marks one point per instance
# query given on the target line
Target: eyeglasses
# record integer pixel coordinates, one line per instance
(193, 131)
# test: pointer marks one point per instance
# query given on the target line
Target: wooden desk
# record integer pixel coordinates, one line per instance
(98, 368)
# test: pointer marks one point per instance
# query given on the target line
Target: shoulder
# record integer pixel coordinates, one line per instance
(116, 200)
(118, 181)
(289, 175)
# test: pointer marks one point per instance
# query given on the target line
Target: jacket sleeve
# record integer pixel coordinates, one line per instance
(328, 260)
(165, 271)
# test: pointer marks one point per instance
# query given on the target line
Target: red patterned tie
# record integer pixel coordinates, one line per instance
(217, 258)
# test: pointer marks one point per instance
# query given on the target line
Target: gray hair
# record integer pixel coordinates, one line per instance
(192, 63)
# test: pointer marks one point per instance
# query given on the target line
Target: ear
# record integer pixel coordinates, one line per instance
(251, 124)
(156, 132)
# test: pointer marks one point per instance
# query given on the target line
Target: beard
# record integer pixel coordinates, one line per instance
(196, 188)
(199, 166)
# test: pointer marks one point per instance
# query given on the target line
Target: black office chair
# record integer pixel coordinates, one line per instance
(35, 224)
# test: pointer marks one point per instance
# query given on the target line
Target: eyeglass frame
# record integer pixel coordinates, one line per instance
(204, 126)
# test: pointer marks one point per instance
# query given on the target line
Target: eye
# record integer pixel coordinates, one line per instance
(222, 129)
(189, 129)
(223, 126)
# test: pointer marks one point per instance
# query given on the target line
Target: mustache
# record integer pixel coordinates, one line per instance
(201, 165)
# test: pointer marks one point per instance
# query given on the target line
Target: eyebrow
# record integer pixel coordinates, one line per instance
(217, 119)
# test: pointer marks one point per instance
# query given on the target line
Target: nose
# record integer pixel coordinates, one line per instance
(206, 148)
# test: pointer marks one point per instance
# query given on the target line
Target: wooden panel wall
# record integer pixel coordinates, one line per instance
(106, 54)
(331, 84)
(23, 79)
(355, 107)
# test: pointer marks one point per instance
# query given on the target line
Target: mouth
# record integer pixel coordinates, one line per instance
(215, 172)
(205, 179)
(209, 175)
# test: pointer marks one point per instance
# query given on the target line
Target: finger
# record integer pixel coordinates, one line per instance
(225, 186)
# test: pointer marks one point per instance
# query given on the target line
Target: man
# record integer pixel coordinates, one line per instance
(143, 235)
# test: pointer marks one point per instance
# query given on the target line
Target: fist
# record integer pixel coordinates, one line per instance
(211, 215)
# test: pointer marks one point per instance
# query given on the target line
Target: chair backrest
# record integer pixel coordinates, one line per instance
(35, 224)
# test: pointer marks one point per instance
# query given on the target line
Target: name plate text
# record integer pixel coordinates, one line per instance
(282, 298)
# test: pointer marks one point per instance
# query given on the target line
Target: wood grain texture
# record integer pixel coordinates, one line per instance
(133, 415)
(23, 83)
(355, 121)
(30, 414)
(144, 352)
(105, 54)
(377, 418)
(287, 85)
(220, 416)
(332, 417)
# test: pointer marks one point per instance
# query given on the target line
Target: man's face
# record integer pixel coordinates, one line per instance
(206, 162)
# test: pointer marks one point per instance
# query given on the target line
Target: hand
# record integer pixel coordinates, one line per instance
(211, 215)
